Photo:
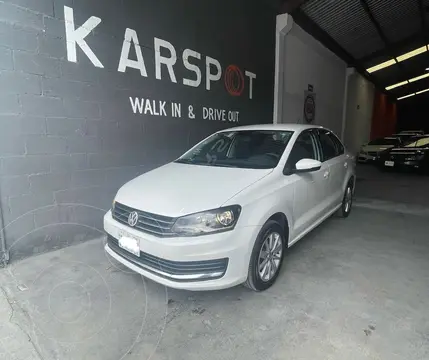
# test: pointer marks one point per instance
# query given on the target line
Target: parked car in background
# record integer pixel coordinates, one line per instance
(408, 134)
(412, 132)
(412, 155)
(404, 137)
(370, 151)
(226, 211)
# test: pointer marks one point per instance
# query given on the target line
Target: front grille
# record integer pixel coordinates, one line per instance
(402, 155)
(175, 270)
(154, 224)
(398, 157)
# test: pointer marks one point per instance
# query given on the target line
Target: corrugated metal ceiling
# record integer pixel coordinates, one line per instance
(347, 23)
(372, 30)
(399, 20)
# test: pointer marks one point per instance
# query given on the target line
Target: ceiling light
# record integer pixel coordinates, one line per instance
(416, 93)
(407, 81)
(406, 96)
(381, 66)
(419, 77)
(412, 53)
(421, 91)
(399, 58)
(397, 85)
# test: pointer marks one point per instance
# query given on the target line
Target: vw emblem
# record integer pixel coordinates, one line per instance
(133, 218)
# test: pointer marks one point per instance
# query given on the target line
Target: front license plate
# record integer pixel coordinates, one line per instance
(389, 163)
(129, 244)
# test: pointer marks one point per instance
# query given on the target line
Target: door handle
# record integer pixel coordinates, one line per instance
(326, 174)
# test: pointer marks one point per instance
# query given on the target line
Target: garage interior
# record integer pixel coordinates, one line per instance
(354, 288)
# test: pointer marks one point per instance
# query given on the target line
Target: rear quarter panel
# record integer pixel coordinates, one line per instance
(351, 171)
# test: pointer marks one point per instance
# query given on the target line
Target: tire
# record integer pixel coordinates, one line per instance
(255, 281)
(346, 205)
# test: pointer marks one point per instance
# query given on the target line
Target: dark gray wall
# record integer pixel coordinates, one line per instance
(68, 136)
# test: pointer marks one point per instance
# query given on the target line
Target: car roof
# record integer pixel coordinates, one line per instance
(278, 127)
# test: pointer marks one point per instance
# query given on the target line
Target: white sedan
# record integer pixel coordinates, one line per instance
(225, 212)
(369, 152)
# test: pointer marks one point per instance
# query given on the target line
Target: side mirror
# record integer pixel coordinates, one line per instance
(307, 165)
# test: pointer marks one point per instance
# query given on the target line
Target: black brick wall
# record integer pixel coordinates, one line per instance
(68, 136)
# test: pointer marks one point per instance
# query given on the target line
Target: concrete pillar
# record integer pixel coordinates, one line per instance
(349, 72)
(284, 24)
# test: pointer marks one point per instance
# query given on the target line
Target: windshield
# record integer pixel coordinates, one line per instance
(418, 142)
(384, 141)
(253, 149)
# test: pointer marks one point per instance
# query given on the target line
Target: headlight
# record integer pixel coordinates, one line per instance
(207, 222)
(113, 206)
(420, 155)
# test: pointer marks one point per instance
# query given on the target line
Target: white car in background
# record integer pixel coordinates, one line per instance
(226, 211)
(371, 150)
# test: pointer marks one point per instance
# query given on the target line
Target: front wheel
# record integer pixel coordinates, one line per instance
(346, 205)
(267, 257)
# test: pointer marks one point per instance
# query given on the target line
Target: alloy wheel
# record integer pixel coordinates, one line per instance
(348, 200)
(270, 256)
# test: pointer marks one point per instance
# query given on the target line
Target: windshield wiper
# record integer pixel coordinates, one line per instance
(185, 161)
(224, 165)
(204, 163)
(192, 162)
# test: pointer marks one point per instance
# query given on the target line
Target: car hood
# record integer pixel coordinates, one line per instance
(179, 189)
(405, 150)
(376, 148)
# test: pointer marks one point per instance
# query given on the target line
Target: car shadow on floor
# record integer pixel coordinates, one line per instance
(352, 288)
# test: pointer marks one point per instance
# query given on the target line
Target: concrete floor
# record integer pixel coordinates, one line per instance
(407, 188)
(354, 288)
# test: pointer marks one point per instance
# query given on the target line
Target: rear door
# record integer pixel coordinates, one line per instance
(343, 163)
(335, 160)
(307, 206)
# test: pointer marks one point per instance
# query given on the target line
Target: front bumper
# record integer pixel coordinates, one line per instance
(402, 164)
(208, 262)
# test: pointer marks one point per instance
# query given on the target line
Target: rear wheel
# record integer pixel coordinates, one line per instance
(267, 257)
(346, 205)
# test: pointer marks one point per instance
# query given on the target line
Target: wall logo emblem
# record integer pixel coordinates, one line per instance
(309, 106)
(133, 218)
(234, 80)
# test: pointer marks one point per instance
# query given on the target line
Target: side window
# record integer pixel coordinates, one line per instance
(304, 148)
(329, 148)
(338, 144)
